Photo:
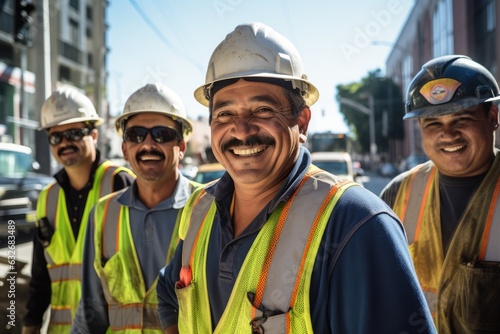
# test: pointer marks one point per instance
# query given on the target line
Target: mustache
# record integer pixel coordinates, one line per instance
(142, 153)
(441, 145)
(72, 148)
(250, 141)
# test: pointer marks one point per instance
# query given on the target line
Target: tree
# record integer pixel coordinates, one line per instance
(387, 99)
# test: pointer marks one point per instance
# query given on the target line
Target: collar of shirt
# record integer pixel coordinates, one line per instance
(176, 201)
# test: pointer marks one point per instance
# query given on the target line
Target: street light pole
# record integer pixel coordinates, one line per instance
(373, 143)
(370, 111)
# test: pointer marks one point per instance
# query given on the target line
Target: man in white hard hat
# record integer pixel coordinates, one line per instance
(133, 233)
(70, 119)
(278, 245)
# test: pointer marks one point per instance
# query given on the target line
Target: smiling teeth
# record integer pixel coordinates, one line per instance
(250, 151)
(453, 149)
(150, 158)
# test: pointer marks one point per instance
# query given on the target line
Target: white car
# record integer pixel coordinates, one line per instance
(337, 163)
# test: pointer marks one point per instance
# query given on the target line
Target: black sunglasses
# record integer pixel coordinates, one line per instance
(55, 138)
(160, 134)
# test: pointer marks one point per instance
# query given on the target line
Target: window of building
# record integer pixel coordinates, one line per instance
(406, 72)
(90, 60)
(89, 13)
(64, 73)
(442, 28)
(485, 30)
(74, 31)
(74, 4)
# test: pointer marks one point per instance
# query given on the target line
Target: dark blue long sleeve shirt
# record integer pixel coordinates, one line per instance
(363, 280)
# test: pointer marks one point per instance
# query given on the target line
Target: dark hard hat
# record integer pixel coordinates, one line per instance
(449, 84)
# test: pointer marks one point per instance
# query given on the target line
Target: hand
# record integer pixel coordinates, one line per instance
(170, 330)
(30, 330)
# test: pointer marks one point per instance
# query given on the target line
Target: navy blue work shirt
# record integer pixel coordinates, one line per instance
(363, 280)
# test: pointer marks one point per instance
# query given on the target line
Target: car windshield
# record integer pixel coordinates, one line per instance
(334, 167)
(205, 177)
(15, 164)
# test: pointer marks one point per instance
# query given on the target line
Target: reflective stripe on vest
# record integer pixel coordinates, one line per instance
(64, 253)
(490, 251)
(133, 317)
(282, 284)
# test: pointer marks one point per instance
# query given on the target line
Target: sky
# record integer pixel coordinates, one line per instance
(172, 41)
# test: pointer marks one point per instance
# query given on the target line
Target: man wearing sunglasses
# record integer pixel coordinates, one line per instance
(70, 120)
(133, 233)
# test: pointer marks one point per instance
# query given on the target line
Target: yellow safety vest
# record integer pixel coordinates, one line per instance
(462, 287)
(300, 222)
(131, 309)
(64, 253)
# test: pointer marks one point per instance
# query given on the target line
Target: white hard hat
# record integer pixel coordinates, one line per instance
(256, 50)
(67, 105)
(156, 98)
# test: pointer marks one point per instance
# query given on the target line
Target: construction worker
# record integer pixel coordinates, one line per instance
(70, 120)
(278, 245)
(133, 233)
(450, 205)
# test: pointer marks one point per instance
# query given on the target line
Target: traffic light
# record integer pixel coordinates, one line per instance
(22, 19)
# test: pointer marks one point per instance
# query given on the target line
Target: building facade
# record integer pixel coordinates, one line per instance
(436, 28)
(66, 45)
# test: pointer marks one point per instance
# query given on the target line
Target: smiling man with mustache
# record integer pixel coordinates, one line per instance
(277, 245)
(450, 205)
(133, 233)
(63, 207)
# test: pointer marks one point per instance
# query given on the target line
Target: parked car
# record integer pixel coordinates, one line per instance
(20, 185)
(209, 172)
(337, 163)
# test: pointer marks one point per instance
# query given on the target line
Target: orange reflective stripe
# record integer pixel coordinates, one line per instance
(491, 214)
(424, 200)
(272, 247)
(193, 239)
(322, 209)
(259, 293)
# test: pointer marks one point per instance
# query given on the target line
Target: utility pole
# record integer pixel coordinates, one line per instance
(43, 81)
(23, 10)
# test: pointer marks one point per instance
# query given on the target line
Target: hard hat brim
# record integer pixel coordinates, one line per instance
(311, 97)
(447, 108)
(97, 121)
(188, 125)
